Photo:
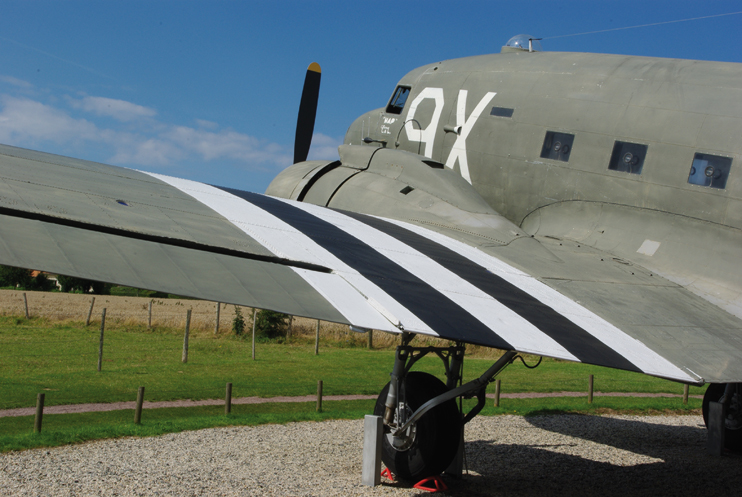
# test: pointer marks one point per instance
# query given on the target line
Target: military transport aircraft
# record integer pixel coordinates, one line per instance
(578, 206)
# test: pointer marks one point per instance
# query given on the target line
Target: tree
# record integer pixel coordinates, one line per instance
(71, 284)
(15, 276)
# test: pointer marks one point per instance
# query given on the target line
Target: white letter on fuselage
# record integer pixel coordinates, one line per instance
(426, 135)
(459, 148)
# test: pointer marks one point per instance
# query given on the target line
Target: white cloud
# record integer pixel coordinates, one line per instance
(226, 145)
(324, 147)
(26, 122)
(120, 110)
(23, 120)
(16, 82)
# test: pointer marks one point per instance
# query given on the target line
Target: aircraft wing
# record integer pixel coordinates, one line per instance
(112, 224)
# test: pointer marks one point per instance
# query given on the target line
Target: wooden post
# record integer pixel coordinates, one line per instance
(590, 390)
(184, 358)
(319, 396)
(149, 319)
(90, 311)
(39, 413)
(25, 303)
(228, 400)
(497, 393)
(686, 389)
(254, 324)
(216, 324)
(288, 332)
(316, 340)
(370, 339)
(100, 347)
(138, 410)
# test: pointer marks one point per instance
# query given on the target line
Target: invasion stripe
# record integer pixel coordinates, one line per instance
(511, 327)
(427, 303)
(572, 337)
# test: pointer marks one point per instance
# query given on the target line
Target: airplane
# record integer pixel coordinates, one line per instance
(584, 207)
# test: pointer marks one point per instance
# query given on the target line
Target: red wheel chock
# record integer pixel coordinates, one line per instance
(387, 474)
(435, 480)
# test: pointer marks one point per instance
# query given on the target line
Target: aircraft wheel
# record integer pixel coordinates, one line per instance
(429, 446)
(733, 421)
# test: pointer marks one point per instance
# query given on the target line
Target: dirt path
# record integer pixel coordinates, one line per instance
(118, 406)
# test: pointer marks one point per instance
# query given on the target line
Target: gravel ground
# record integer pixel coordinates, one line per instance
(506, 455)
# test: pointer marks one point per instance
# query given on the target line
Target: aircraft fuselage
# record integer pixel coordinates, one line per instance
(633, 155)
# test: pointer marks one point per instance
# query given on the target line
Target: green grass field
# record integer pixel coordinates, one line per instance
(60, 360)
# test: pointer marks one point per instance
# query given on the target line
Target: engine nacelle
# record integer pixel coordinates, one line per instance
(397, 185)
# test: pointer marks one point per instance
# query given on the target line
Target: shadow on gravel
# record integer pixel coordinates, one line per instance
(599, 456)
(636, 436)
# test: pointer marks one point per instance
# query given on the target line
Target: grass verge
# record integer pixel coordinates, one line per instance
(60, 360)
(63, 429)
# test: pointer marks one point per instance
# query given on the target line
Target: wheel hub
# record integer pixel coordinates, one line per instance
(402, 441)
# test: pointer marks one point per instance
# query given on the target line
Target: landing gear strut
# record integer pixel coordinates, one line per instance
(729, 394)
(422, 423)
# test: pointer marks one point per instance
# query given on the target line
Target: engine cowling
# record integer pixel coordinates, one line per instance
(397, 185)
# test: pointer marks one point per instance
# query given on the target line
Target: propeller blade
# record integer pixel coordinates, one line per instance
(307, 113)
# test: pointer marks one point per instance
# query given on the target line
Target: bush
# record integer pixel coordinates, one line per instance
(238, 323)
(271, 325)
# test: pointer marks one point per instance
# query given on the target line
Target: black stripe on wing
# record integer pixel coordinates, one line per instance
(572, 337)
(436, 310)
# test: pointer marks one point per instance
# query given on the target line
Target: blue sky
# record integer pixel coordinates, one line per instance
(210, 90)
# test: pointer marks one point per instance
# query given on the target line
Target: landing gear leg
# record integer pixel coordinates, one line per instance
(422, 424)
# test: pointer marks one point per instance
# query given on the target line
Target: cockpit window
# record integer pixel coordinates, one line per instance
(396, 104)
(710, 170)
(628, 157)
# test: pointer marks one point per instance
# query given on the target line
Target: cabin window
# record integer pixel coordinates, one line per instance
(557, 146)
(396, 104)
(710, 170)
(628, 157)
(501, 112)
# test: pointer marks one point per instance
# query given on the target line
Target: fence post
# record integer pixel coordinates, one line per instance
(216, 325)
(686, 389)
(90, 311)
(497, 393)
(184, 358)
(288, 332)
(228, 400)
(100, 347)
(39, 413)
(370, 339)
(316, 340)
(149, 319)
(254, 323)
(590, 390)
(25, 303)
(319, 396)
(138, 410)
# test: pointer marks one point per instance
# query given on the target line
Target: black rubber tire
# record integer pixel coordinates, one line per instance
(437, 433)
(732, 438)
